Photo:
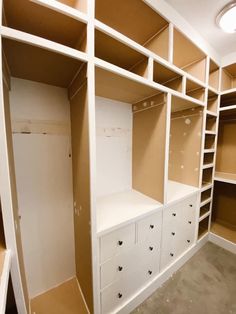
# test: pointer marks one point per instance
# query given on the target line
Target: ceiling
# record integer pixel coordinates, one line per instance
(201, 15)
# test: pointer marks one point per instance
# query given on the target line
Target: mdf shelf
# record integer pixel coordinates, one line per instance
(153, 29)
(203, 216)
(29, 17)
(225, 177)
(118, 209)
(195, 90)
(223, 231)
(229, 108)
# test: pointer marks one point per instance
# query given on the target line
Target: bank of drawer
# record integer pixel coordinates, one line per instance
(150, 227)
(119, 266)
(189, 207)
(172, 215)
(168, 256)
(115, 295)
(117, 242)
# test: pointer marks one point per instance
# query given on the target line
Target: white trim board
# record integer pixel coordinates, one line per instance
(4, 281)
(225, 244)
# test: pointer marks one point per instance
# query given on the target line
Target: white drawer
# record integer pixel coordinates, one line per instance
(189, 208)
(117, 242)
(168, 256)
(150, 227)
(172, 215)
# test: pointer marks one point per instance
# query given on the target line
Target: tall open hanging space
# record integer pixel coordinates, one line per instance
(109, 124)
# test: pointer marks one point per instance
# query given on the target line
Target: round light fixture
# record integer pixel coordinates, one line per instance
(226, 19)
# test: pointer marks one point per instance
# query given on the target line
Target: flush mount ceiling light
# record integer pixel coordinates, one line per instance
(226, 19)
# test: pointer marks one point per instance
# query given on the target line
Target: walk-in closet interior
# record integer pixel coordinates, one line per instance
(118, 153)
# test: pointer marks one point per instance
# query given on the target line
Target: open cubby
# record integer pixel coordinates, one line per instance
(130, 120)
(207, 176)
(46, 108)
(228, 99)
(208, 158)
(228, 77)
(167, 77)
(224, 211)
(191, 59)
(203, 227)
(214, 75)
(185, 143)
(80, 5)
(210, 123)
(226, 145)
(212, 101)
(195, 90)
(205, 195)
(128, 16)
(204, 209)
(29, 17)
(117, 53)
(209, 141)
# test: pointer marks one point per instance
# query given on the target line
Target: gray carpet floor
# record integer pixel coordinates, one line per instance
(206, 284)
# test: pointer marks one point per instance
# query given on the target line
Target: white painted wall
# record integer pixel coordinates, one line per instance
(114, 146)
(44, 184)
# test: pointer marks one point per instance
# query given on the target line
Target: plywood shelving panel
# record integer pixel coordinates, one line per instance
(209, 141)
(117, 53)
(129, 16)
(194, 90)
(76, 4)
(214, 73)
(205, 209)
(208, 159)
(210, 123)
(223, 211)
(212, 102)
(167, 77)
(35, 19)
(228, 77)
(207, 176)
(228, 100)
(191, 59)
(205, 195)
(203, 227)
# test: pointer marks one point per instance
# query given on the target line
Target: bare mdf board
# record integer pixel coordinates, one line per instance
(81, 192)
(189, 57)
(194, 90)
(212, 101)
(148, 151)
(226, 147)
(41, 21)
(209, 141)
(159, 43)
(214, 75)
(203, 227)
(210, 123)
(133, 18)
(208, 158)
(207, 176)
(228, 77)
(185, 146)
(228, 99)
(115, 52)
(77, 4)
(205, 209)
(14, 191)
(167, 77)
(224, 205)
(40, 65)
(113, 86)
(63, 299)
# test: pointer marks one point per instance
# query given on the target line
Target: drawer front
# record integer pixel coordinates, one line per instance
(189, 209)
(150, 228)
(168, 256)
(119, 266)
(116, 242)
(172, 215)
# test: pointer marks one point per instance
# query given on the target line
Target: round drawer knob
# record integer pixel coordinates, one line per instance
(188, 241)
(120, 268)
(190, 205)
(173, 233)
(150, 248)
(174, 214)
(120, 243)
(120, 295)
(151, 226)
(150, 272)
(190, 222)
(171, 254)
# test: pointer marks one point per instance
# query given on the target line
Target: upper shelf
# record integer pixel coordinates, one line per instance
(42, 21)
(225, 177)
(228, 77)
(138, 21)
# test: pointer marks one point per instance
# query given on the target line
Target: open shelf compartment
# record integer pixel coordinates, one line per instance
(212, 101)
(214, 75)
(203, 227)
(195, 90)
(207, 178)
(29, 17)
(204, 210)
(138, 21)
(228, 77)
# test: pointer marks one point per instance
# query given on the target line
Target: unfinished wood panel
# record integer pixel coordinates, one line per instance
(81, 192)
(185, 146)
(210, 123)
(223, 231)
(117, 87)
(39, 65)
(205, 209)
(208, 158)
(209, 141)
(226, 147)
(41, 21)
(194, 90)
(207, 176)
(167, 77)
(197, 69)
(228, 99)
(129, 16)
(14, 193)
(214, 75)
(180, 104)
(148, 152)
(190, 58)
(227, 80)
(212, 102)
(205, 195)
(63, 299)
(203, 227)
(159, 44)
(141, 68)
(115, 52)
(224, 206)
(80, 5)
